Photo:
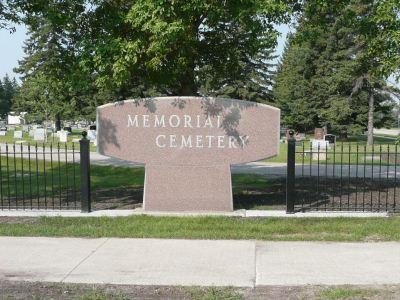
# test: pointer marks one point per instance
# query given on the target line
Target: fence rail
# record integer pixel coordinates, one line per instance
(41, 176)
(343, 177)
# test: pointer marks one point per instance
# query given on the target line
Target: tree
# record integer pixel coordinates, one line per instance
(8, 14)
(253, 83)
(292, 90)
(8, 90)
(316, 80)
(50, 63)
(182, 47)
(376, 24)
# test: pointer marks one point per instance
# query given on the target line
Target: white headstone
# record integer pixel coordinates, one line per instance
(3, 133)
(17, 134)
(63, 135)
(32, 132)
(92, 135)
(322, 144)
(39, 134)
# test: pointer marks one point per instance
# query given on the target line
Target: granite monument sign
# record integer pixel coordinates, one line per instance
(188, 145)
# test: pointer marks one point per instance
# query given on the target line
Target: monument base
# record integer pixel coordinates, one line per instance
(187, 188)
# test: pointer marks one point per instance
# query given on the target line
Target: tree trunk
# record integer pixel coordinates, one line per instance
(187, 84)
(58, 122)
(370, 140)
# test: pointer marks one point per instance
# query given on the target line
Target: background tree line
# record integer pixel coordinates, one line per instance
(81, 54)
(327, 76)
(8, 90)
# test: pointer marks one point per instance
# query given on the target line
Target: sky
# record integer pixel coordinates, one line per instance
(11, 48)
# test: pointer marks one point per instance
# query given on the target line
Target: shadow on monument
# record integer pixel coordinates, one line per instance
(212, 107)
(108, 134)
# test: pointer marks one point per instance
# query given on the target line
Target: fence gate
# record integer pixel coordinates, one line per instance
(42, 176)
(342, 177)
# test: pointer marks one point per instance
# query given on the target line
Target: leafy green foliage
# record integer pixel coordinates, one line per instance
(8, 89)
(182, 47)
(317, 83)
(7, 14)
(52, 82)
(376, 23)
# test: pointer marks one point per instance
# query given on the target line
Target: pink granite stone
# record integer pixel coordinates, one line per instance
(187, 145)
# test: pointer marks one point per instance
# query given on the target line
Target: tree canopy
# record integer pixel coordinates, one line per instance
(318, 80)
(8, 90)
(87, 52)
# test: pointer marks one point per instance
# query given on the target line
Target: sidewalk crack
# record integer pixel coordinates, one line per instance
(84, 259)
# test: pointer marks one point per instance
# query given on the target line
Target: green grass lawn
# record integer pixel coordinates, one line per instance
(342, 152)
(23, 170)
(277, 229)
(35, 180)
(122, 188)
(18, 171)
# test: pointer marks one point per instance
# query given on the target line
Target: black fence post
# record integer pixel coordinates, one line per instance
(290, 175)
(85, 173)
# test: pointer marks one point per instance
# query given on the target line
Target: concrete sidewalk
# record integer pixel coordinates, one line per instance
(197, 262)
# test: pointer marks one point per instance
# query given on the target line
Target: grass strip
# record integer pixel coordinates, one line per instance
(273, 229)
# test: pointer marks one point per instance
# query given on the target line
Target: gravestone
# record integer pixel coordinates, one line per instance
(319, 149)
(17, 134)
(331, 138)
(68, 128)
(319, 133)
(32, 133)
(321, 144)
(300, 136)
(63, 136)
(91, 135)
(39, 134)
(188, 145)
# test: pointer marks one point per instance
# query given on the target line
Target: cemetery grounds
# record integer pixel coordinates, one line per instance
(122, 188)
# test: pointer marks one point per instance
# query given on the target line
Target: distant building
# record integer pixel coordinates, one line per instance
(16, 119)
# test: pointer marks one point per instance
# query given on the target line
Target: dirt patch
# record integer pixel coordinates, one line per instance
(257, 192)
(40, 290)
(117, 198)
(19, 220)
(347, 194)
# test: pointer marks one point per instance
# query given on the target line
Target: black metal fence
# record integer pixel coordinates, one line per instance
(342, 177)
(44, 176)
